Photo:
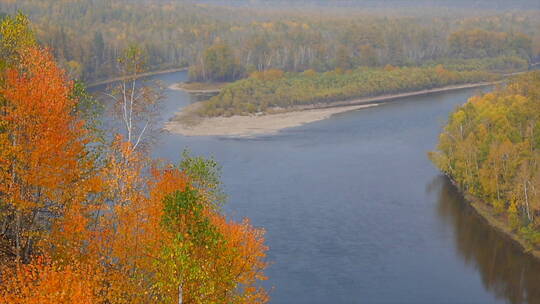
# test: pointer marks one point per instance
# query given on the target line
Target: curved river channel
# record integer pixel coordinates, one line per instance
(355, 212)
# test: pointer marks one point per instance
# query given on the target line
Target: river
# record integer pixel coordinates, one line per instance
(355, 212)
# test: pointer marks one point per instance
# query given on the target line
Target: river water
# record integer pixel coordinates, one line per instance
(355, 212)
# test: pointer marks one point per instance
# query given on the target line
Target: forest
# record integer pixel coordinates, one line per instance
(86, 216)
(273, 90)
(491, 149)
(231, 42)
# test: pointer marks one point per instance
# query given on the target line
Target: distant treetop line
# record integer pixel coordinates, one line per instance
(228, 43)
(485, 4)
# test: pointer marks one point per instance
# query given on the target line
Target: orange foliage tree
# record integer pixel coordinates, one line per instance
(169, 237)
(113, 227)
(204, 257)
(43, 167)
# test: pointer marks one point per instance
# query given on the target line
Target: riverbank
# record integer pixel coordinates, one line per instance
(188, 123)
(111, 80)
(199, 87)
(498, 222)
(247, 126)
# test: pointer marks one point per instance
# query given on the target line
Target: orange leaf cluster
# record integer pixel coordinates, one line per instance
(45, 282)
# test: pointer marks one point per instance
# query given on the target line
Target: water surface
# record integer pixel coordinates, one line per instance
(356, 213)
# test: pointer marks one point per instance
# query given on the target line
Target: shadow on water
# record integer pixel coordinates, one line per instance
(505, 270)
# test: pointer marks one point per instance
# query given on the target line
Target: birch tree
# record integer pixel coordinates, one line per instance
(135, 100)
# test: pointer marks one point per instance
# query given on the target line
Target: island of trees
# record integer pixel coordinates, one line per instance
(491, 149)
(273, 90)
(88, 217)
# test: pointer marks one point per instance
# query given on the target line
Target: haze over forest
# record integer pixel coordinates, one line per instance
(256, 151)
(396, 4)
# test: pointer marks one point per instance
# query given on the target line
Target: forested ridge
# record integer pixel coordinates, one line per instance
(229, 43)
(491, 149)
(86, 216)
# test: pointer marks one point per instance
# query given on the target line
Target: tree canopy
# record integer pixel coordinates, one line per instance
(274, 90)
(491, 149)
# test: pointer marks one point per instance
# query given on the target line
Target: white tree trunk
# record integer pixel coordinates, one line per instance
(179, 294)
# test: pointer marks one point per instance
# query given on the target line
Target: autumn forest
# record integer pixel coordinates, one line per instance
(90, 213)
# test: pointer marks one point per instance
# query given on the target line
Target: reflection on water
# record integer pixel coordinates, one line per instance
(505, 270)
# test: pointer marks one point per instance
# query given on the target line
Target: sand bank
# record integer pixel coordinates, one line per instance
(199, 88)
(247, 126)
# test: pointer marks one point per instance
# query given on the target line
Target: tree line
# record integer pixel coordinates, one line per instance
(274, 90)
(227, 43)
(91, 218)
(491, 149)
